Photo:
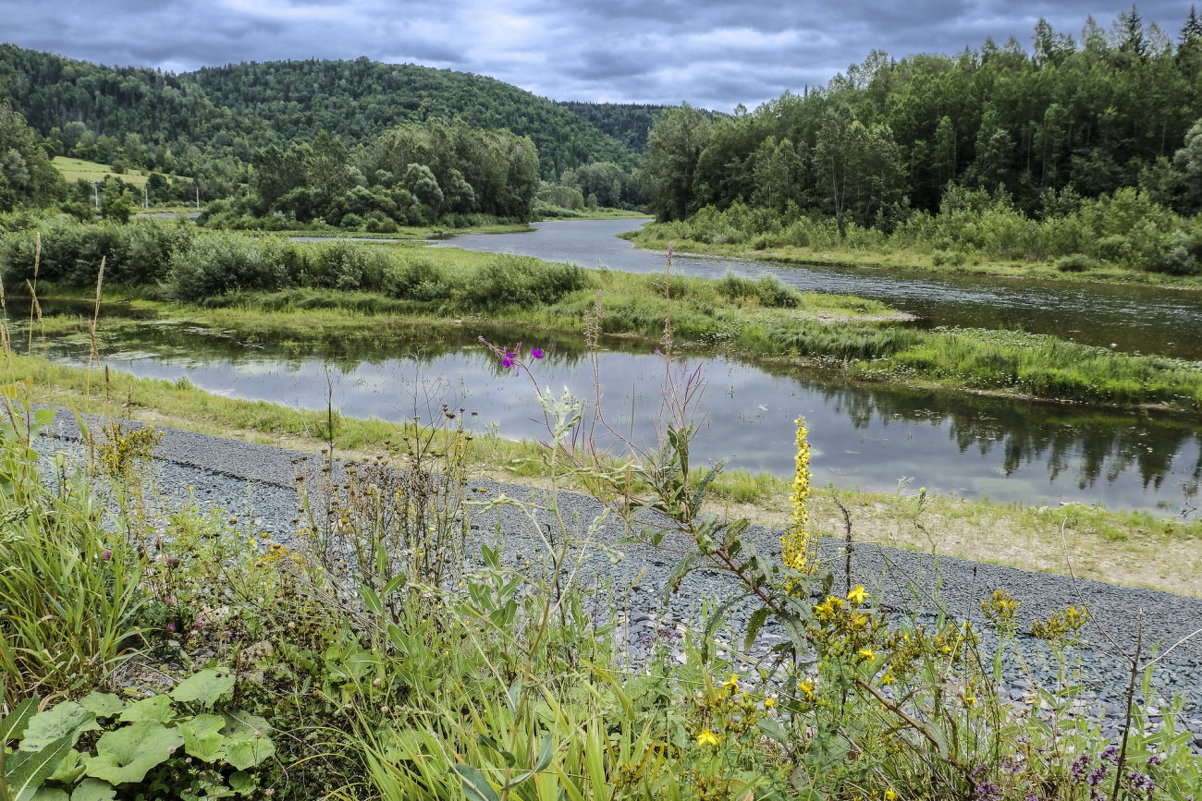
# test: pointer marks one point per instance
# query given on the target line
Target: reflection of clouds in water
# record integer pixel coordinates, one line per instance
(870, 438)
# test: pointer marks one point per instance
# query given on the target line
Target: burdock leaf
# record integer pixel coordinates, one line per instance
(128, 754)
(207, 686)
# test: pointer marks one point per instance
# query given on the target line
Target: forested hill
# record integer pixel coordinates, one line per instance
(1069, 119)
(629, 123)
(126, 108)
(173, 122)
(360, 99)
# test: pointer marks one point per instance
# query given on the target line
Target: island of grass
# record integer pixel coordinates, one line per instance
(268, 283)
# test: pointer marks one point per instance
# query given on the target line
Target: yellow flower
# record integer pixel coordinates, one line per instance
(807, 687)
(858, 595)
(867, 653)
(769, 702)
(707, 737)
(795, 542)
(732, 683)
(887, 679)
(891, 794)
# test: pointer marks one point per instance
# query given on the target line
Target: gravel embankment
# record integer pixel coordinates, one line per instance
(257, 484)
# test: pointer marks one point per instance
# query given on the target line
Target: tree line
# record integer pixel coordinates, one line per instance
(886, 141)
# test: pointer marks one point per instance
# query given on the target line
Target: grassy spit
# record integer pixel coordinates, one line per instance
(1127, 548)
(904, 259)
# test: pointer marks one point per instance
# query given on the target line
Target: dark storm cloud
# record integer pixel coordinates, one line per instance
(712, 53)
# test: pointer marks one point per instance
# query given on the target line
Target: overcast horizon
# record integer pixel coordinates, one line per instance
(710, 53)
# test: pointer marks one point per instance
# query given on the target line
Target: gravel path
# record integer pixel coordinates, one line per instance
(257, 484)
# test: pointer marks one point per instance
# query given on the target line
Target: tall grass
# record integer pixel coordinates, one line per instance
(70, 590)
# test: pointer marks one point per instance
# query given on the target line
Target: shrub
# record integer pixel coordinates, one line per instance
(1076, 263)
(520, 281)
(411, 278)
(218, 263)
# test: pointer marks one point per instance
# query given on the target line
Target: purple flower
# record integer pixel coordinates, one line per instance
(1110, 754)
(1141, 782)
(537, 353)
(172, 560)
(1077, 769)
(508, 359)
(106, 555)
(170, 627)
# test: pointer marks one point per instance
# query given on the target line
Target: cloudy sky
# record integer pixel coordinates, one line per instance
(711, 53)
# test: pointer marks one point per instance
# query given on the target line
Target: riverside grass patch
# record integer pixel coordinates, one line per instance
(255, 276)
(1131, 548)
(340, 667)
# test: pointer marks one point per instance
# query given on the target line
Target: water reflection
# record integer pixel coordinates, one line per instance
(865, 436)
(1132, 318)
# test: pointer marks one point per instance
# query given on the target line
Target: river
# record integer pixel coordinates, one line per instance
(1130, 317)
(871, 437)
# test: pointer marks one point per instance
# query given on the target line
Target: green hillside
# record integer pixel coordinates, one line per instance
(179, 123)
(360, 99)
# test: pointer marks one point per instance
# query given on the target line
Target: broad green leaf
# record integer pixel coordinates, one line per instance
(102, 705)
(94, 790)
(67, 719)
(13, 725)
(203, 738)
(243, 783)
(371, 600)
(49, 794)
(44, 417)
(475, 786)
(208, 686)
(246, 752)
(247, 740)
(149, 710)
(773, 728)
(754, 625)
(25, 771)
(69, 769)
(129, 753)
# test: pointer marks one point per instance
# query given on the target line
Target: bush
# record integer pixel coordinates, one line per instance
(768, 290)
(418, 279)
(520, 281)
(219, 263)
(1076, 263)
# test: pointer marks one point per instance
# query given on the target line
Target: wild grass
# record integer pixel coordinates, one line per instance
(378, 659)
(74, 169)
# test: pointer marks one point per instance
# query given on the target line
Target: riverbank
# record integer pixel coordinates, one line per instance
(1127, 548)
(745, 318)
(909, 261)
(553, 608)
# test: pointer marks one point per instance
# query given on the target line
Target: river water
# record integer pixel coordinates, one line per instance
(869, 437)
(1132, 318)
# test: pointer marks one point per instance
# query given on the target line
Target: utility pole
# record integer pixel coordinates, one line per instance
(145, 198)
(96, 194)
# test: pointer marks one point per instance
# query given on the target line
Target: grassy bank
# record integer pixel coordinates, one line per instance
(1134, 549)
(759, 320)
(879, 255)
(369, 660)
(268, 281)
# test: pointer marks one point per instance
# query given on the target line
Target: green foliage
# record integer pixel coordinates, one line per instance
(69, 589)
(519, 281)
(218, 263)
(133, 752)
(886, 145)
(136, 254)
(26, 176)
